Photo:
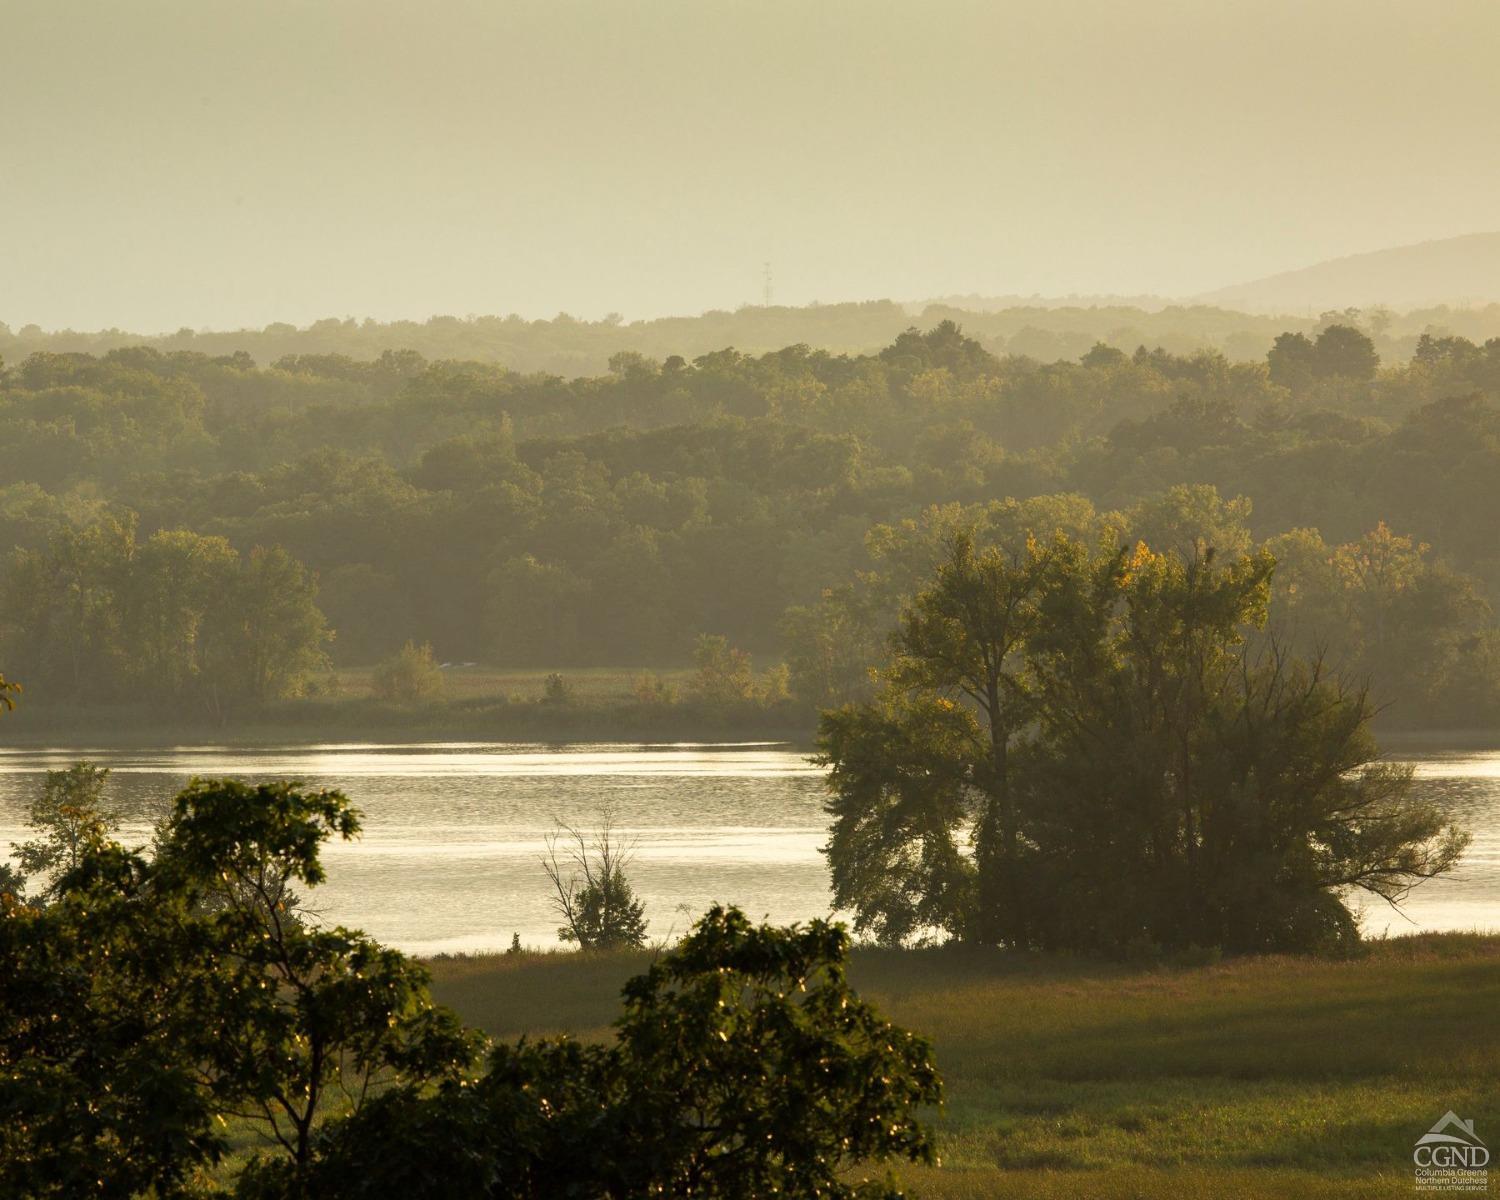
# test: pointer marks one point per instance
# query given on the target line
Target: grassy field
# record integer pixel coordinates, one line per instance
(1271, 1077)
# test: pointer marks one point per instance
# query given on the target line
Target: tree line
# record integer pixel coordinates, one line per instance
(570, 346)
(534, 521)
(102, 615)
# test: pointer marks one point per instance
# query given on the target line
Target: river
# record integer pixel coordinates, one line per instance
(453, 832)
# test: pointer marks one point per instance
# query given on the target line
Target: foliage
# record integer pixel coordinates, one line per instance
(900, 796)
(743, 1066)
(177, 616)
(151, 999)
(724, 674)
(831, 647)
(561, 522)
(590, 892)
(725, 678)
(1127, 768)
(1338, 352)
(557, 690)
(71, 821)
(1384, 610)
(409, 676)
(652, 691)
(1069, 1076)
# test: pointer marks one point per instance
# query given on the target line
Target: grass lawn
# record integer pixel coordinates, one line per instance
(1270, 1077)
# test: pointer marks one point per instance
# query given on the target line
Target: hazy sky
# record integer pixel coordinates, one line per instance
(206, 163)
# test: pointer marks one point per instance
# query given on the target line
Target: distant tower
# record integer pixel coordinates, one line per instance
(766, 291)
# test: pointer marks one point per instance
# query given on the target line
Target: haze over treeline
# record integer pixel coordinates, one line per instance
(176, 164)
(566, 345)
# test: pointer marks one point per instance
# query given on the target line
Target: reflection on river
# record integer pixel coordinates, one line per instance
(449, 859)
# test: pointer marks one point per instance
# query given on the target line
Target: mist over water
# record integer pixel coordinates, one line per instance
(453, 832)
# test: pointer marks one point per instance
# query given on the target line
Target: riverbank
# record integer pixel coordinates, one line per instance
(316, 722)
(517, 717)
(1263, 1077)
(599, 704)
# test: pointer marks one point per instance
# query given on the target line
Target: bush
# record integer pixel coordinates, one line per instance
(724, 674)
(598, 907)
(409, 676)
(151, 999)
(652, 691)
(149, 1002)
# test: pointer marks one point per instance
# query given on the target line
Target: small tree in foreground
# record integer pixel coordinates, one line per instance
(598, 907)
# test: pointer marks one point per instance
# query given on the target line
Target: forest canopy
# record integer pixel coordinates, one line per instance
(529, 519)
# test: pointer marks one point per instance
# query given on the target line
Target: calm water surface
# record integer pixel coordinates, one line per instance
(450, 856)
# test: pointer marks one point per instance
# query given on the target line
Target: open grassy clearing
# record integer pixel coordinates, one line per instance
(1258, 1077)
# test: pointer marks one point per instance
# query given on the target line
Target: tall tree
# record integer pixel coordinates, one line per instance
(1131, 768)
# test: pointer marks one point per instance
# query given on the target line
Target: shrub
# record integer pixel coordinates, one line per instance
(408, 676)
(652, 691)
(724, 674)
(598, 907)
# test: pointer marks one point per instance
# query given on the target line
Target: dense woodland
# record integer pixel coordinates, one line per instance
(780, 500)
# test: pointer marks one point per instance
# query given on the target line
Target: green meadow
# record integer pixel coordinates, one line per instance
(1257, 1077)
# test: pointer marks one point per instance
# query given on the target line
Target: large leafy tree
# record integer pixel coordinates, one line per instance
(1164, 780)
(933, 753)
(962, 636)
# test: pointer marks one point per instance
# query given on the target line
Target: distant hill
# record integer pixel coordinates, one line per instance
(1454, 271)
